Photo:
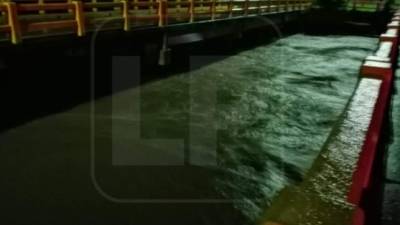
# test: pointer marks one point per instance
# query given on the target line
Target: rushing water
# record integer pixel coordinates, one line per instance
(251, 124)
(266, 111)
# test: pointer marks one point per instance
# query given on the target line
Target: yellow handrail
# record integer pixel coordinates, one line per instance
(80, 14)
(10, 9)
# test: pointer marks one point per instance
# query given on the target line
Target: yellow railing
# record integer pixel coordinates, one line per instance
(29, 18)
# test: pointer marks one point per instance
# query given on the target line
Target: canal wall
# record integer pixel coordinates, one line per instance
(391, 179)
(365, 178)
(341, 186)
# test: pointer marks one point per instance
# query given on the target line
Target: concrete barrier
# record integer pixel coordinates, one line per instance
(394, 24)
(390, 35)
(333, 189)
(378, 66)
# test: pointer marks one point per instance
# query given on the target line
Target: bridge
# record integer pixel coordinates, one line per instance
(21, 20)
(37, 18)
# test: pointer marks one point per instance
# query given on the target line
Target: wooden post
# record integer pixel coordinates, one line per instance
(79, 18)
(12, 18)
(125, 14)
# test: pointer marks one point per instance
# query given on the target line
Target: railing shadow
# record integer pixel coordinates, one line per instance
(38, 80)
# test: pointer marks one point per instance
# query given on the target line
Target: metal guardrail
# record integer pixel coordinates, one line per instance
(30, 18)
(367, 5)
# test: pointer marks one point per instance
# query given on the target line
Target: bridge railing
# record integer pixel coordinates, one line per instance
(367, 5)
(29, 18)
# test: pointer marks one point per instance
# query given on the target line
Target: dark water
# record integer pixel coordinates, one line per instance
(256, 120)
(235, 131)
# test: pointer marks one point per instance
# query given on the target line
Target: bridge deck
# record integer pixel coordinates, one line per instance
(36, 18)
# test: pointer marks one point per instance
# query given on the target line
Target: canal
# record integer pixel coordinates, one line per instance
(210, 146)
